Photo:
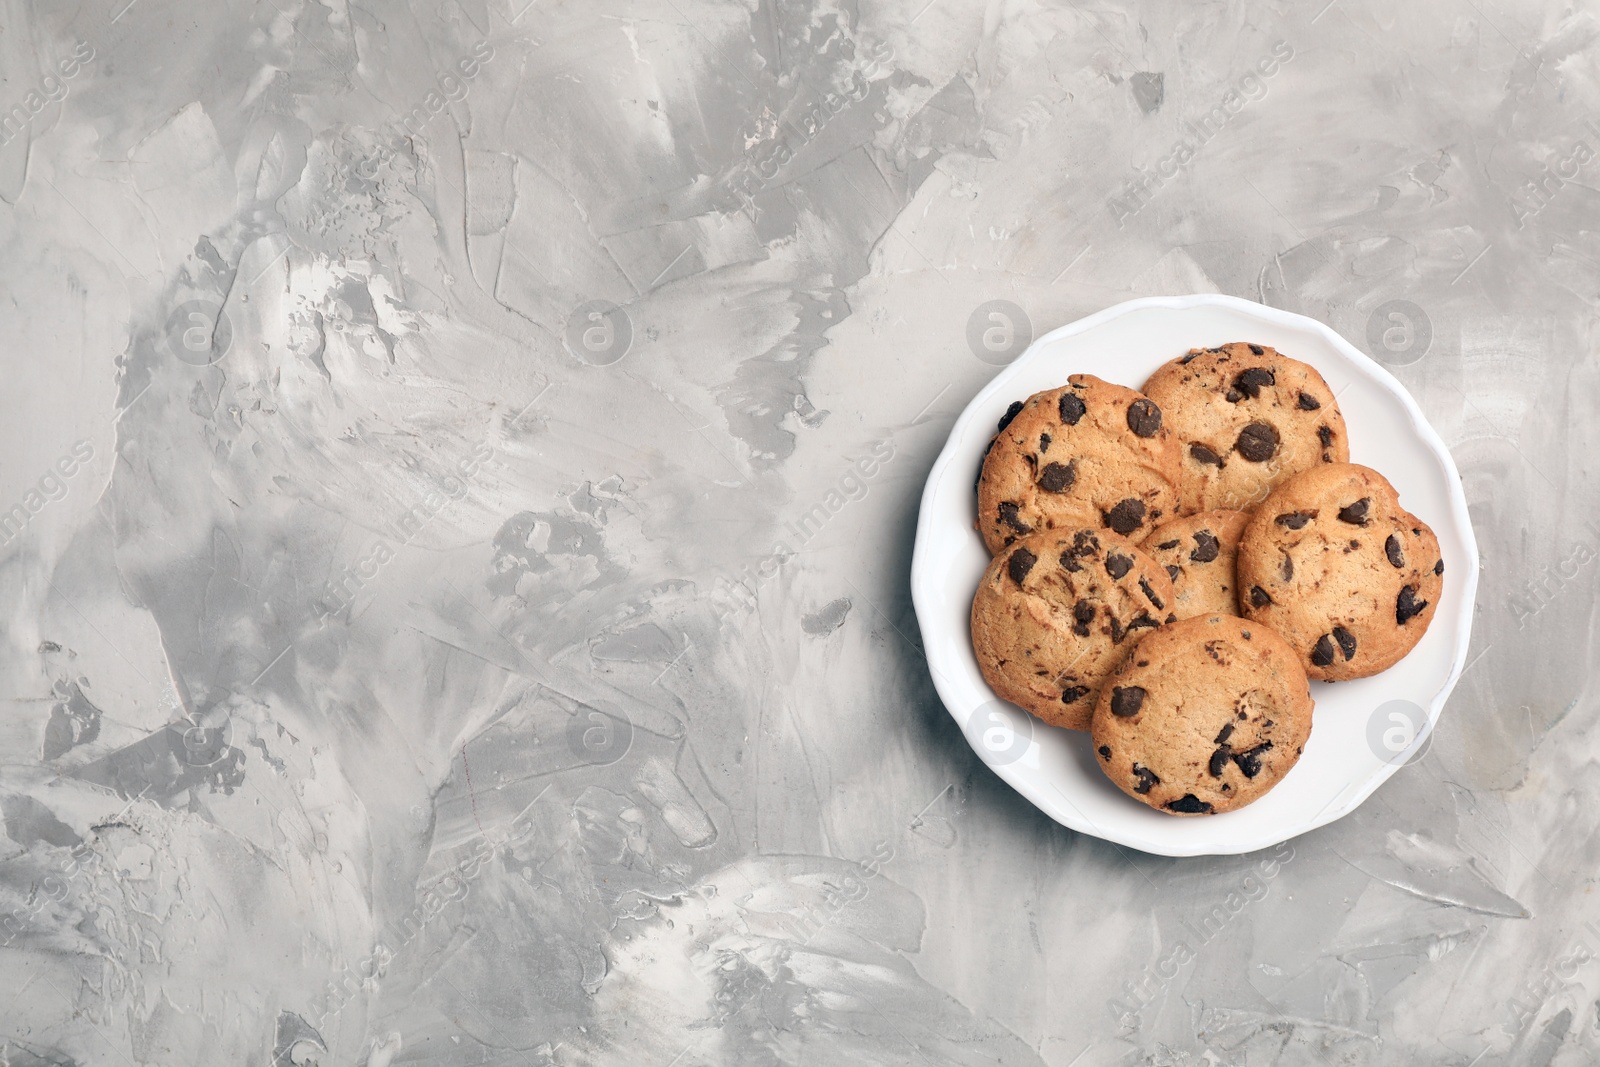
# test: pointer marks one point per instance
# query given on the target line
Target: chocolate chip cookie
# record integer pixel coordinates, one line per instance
(1331, 561)
(1089, 453)
(1246, 417)
(1198, 553)
(1056, 610)
(1204, 716)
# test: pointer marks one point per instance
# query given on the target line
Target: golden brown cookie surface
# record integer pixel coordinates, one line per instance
(1246, 417)
(1090, 453)
(1204, 716)
(1333, 563)
(1198, 553)
(1056, 611)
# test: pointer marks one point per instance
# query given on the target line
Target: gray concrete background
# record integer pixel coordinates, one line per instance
(412, 651)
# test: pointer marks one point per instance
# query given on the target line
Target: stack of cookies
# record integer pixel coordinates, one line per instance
(1173, 566)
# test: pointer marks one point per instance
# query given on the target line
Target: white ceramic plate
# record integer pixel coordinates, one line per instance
(1362, 731)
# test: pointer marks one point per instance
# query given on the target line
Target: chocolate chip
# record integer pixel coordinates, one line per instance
(1205, 547)
(1173, 571)
(1020, 563)
(1286, 568)
(1356, 514)
(1044, 442)
(1322, 651)
(1259, 597)
(1438, 568)
(1391, 548)
(1150, 594)
(1295, 520)
(1126, 517)
(1219, 760)
(1072, 408)
(1258, 350)
(1191, 356)
(1347, 642)
(1250, 762)
(1058, 477)
(1325, 435)
(1308, 402)
(1009, 515)
(1257, 442)
(1118, 631)
(1248, 383)
(1201, 454)
(1407, 606)
(1011, 413)
(1126, 701)
(1225, 733)
(1143, 619)
(1117, 564)
(1165, 545)
(1189, 804)
(1144, 418)
(1105, 753)
(1146, 779)
(1084, 543)
(1072, 694)
(1083, 614)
